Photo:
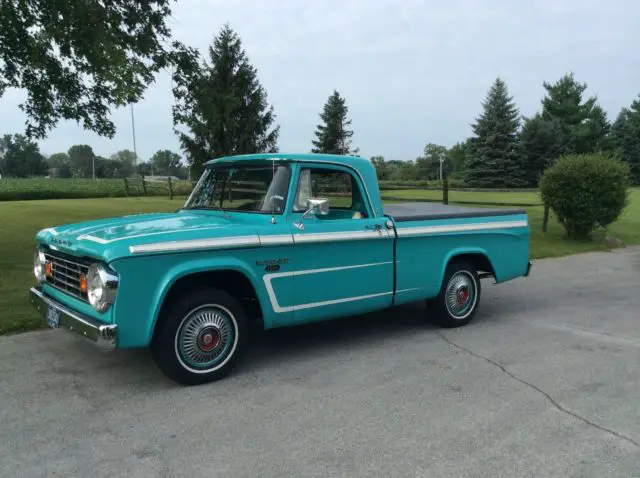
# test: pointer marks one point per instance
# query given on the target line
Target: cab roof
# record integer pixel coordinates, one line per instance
(354, 161)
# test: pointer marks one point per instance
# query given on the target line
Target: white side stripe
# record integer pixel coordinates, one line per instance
(414, 231)
(340, 236)
(99, 240)
(280, 309)
(219, 243)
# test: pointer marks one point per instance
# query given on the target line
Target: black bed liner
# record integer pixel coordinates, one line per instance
(423, 211)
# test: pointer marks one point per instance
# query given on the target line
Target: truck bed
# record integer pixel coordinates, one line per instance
(423, 211)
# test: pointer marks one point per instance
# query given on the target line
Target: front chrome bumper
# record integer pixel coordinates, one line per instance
(105, 335)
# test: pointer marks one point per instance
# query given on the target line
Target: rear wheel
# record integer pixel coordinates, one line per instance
(200, 338)
(459, 296)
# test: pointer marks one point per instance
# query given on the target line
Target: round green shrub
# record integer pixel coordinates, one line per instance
(585, 191)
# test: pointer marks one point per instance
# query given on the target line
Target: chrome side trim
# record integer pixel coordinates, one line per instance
(195, 244)
(416, 231)
(340, 236)
(277, 308)
(105, 335)
(99, 240)
(277, 240)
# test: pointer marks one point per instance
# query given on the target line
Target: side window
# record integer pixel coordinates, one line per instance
(339, 187)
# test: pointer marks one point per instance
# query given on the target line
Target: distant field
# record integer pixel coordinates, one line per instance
(56, 188)
(22, 219)
(525, 198)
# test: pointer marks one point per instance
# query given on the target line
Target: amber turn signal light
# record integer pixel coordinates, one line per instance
(83, 283)
(48, 269)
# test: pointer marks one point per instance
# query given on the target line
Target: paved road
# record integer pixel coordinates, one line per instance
(545, 383)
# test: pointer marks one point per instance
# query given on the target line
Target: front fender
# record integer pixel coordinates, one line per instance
(146, 281)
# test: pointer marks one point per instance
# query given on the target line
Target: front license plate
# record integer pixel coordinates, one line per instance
(53, 317)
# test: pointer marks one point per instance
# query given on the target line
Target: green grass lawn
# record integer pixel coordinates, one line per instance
(22, 219)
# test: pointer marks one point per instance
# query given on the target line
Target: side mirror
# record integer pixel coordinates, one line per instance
(318, 206)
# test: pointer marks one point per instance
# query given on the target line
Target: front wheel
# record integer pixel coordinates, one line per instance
(459, 296)
(200, 337)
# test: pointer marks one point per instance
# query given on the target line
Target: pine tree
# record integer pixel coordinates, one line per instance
(222, 104)
(493, 155)
(541, 144)
(626, 138)
(333, 136)
(584, 124)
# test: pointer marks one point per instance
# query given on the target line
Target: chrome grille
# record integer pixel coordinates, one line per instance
(66, 273)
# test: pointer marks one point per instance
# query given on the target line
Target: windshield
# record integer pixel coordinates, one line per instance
(251, 188)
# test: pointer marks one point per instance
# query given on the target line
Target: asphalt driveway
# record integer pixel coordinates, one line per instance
(545, 382)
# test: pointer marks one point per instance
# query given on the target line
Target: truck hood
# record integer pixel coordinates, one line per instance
(115, 238)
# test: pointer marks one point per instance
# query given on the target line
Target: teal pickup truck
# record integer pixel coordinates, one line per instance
(271, 240)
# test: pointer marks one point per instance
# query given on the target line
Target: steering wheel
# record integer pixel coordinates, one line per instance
(278, 197)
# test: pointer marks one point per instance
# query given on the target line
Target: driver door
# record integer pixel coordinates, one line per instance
(343, 261)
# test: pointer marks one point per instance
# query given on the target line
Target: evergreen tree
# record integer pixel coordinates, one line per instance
(333, 136)
(494, 159)
(541, 144)
(626, 138)
(584, 124)
(222, 104)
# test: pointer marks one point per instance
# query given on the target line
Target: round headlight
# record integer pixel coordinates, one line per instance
(38, 265)
(102, 285)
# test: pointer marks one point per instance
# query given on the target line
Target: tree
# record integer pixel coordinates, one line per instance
(20, 157)
(77, 59)
(584, 124)
(81, 160)
(428, 165)
(381, 167)
(222, 105)
(494, 159)
(626, 138)
(333, 136)
(59, 164)
(542, 143)
(124, 162)
(455, 161)
(165, 162)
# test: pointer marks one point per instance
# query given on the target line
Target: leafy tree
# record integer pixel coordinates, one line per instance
(428, 165)
(59, 164)
(20, 157)
(81, 160)
(333, 136)
(494, 159)
(626, 138)
(542, 143)
(382, 168)
(456, 158)
(76, 59)
(222, 105)
(124, 163)
(144, 168)
(584, 124)
(165, 163)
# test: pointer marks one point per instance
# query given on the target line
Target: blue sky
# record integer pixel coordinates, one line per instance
(412, 72)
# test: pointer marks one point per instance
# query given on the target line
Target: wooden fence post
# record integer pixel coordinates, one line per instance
(545, 218)
(170, 188)
(144, 186)
(126, 187)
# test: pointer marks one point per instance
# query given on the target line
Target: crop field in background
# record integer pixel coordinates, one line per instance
(22, 219)
(57, 188)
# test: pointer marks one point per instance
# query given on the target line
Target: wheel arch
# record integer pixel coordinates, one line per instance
(478, 258)
(233, 279)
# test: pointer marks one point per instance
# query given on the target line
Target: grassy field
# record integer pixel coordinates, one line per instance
(22, 219)
(57, 188)
(526, 198)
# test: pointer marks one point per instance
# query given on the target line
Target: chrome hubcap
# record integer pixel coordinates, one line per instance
(205, 337)
(460, 295)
